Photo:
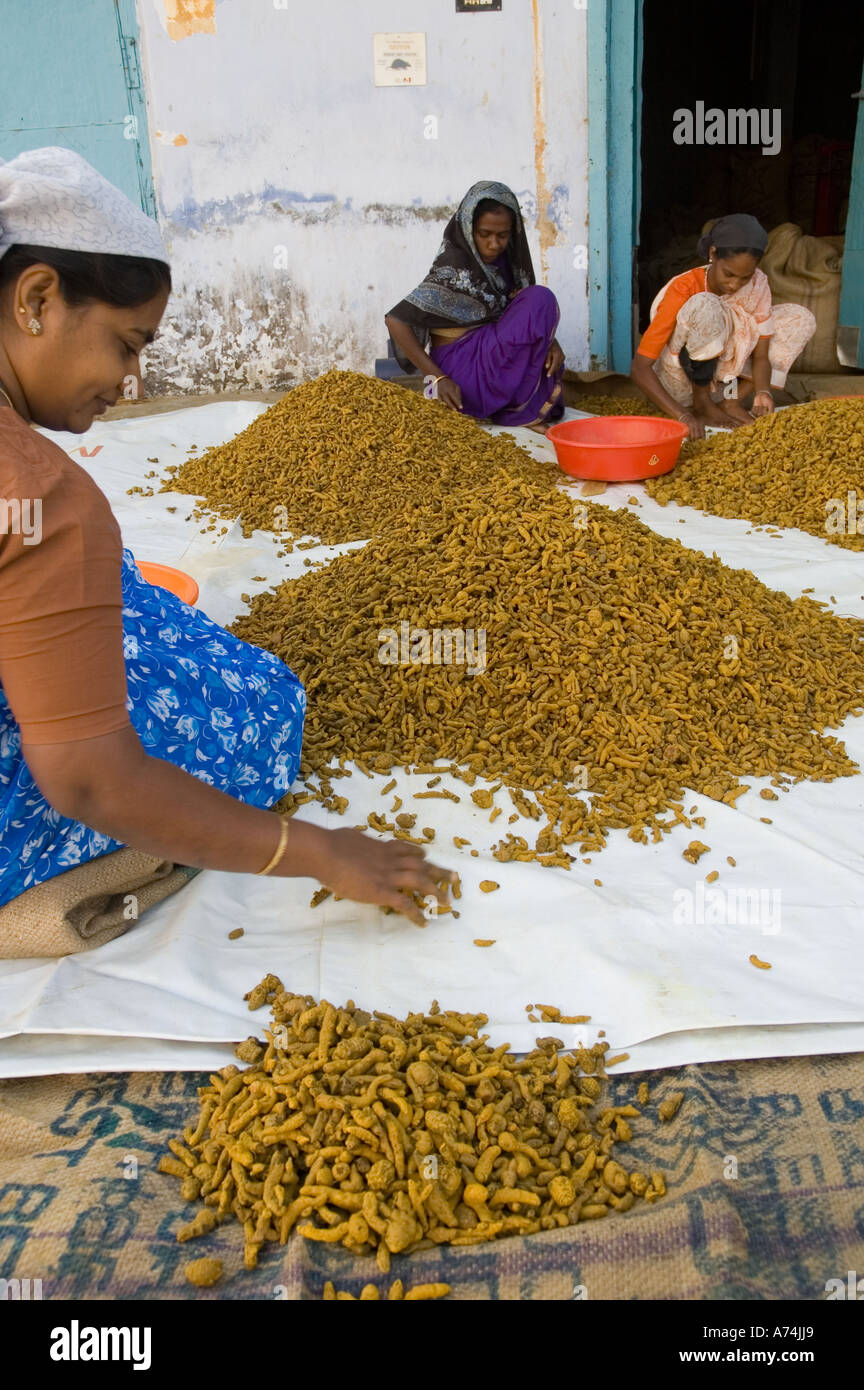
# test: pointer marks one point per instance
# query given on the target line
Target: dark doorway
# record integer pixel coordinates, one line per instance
(803, 59)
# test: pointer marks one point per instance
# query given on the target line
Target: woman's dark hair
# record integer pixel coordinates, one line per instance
(491, 205)
(723, 253)
(122, 281)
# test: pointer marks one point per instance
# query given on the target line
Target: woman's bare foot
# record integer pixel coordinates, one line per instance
(706, 411)
(711, 414)
(736, 413)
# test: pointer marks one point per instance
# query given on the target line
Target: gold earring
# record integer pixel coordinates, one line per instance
(35, 326)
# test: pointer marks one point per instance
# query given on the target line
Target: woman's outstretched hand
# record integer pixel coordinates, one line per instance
(554, 359)
(695, 426)
(763, 404)
(383, 872)
(450, 393)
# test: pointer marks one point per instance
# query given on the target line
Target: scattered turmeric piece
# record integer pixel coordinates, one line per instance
(760, 964)
(694, 851)
(730, 860)
(488, 885)
(481, 941)
(204, 1272)
(235, 934)
(668, 1108)
(712, 877)
(249, 1051)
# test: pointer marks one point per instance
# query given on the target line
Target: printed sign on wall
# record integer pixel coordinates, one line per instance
(400, 60)
(475, 6)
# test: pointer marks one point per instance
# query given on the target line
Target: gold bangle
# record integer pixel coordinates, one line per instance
(280, 849)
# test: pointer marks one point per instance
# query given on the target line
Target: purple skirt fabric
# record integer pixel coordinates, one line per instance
(499, 367)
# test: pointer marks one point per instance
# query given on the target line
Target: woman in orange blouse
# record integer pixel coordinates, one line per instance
(716, 344)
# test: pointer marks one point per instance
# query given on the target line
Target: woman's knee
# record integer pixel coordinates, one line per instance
(797, 318)
(532, 313)
(539, 294)
(540, 301)
(704, 308)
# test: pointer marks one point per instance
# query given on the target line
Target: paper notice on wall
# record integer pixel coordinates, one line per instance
(400, 60)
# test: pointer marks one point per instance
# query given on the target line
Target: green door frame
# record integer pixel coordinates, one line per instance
(127, 33)
(614, 177)
(850, 323)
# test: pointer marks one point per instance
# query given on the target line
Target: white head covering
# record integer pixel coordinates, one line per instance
(53, 197)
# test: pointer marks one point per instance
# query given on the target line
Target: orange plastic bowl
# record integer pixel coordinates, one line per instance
(175, 581)
(617, 448)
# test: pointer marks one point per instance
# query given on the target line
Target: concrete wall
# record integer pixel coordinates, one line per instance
(300, 202)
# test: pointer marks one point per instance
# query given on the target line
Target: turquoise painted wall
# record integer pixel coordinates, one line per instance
(75, 81)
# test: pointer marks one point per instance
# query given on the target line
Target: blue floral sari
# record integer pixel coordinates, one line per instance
(226, 712)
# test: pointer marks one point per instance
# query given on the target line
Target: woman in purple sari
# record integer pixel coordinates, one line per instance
(478, 324)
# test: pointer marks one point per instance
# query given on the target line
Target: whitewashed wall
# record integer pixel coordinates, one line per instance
(300, 202)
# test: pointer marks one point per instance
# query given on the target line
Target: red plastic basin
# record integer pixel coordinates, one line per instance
(617, 448)
(175, 581)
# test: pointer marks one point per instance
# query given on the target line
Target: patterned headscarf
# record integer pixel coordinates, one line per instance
(460, 288)
(53, 197)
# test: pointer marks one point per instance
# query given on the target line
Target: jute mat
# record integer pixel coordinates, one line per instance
(764, 1164)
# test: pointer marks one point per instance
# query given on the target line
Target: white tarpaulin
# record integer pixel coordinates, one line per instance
(659, 959)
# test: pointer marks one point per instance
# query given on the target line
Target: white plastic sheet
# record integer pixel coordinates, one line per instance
(660, 964)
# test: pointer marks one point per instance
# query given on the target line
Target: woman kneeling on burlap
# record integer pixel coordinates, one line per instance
(716, 344)
(127, 718)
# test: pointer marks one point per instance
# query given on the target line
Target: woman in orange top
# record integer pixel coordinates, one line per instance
(716, 344)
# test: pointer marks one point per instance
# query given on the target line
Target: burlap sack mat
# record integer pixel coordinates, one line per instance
(88, 905)
(764, 1166)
